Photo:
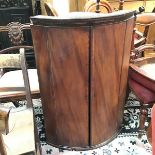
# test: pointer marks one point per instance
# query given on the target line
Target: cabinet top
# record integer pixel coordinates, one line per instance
(83, 18)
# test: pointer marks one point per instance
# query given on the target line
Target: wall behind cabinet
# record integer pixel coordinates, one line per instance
(74, 5)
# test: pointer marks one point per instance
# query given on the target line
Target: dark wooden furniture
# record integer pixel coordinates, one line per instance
(14, 34)
(82, 61)
(17, 138)
(142, 83)
(16, 11)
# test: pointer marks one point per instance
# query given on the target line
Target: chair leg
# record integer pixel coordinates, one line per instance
(128, 91)
(2, 147)
(142, 119)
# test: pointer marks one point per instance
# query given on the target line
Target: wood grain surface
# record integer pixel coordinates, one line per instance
(64, 84)
(109, 77)
(83, 68)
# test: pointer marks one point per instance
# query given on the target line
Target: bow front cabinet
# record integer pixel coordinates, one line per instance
(82, 61)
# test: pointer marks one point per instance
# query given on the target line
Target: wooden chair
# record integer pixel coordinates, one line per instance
(11, 83)
(151, 130)
(9, 79)
(50, 9)
(21, 120)
(15, 34)
(103, 6)
(144, 20)
(142, 82)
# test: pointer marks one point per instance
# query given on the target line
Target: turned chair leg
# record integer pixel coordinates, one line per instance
(2, 147)
(142, 119)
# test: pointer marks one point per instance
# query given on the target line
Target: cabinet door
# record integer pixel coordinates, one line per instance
(110, 60)
(63, 64)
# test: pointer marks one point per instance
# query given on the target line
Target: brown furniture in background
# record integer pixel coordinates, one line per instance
(20, 126)
(144, 20)
(142, 83)
(15, 34)
(82, 65)
(18, 11)
(9, 87)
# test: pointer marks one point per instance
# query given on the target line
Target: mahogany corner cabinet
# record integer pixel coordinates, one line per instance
(82, 61)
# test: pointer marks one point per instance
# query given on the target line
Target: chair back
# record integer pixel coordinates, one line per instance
(103, 6)
(142, 73)
(143, 68)
(145, 19)
(16, 34)
(143, 22)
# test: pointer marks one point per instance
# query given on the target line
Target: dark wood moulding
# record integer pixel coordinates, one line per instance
(79, 19)
(82, 61)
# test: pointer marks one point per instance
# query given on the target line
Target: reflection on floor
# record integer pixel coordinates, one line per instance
(126, 143)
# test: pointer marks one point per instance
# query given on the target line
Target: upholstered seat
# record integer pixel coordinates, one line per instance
(142, 75)
(142, 82)
(12, 83)
(20, 138)
(144, 94)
